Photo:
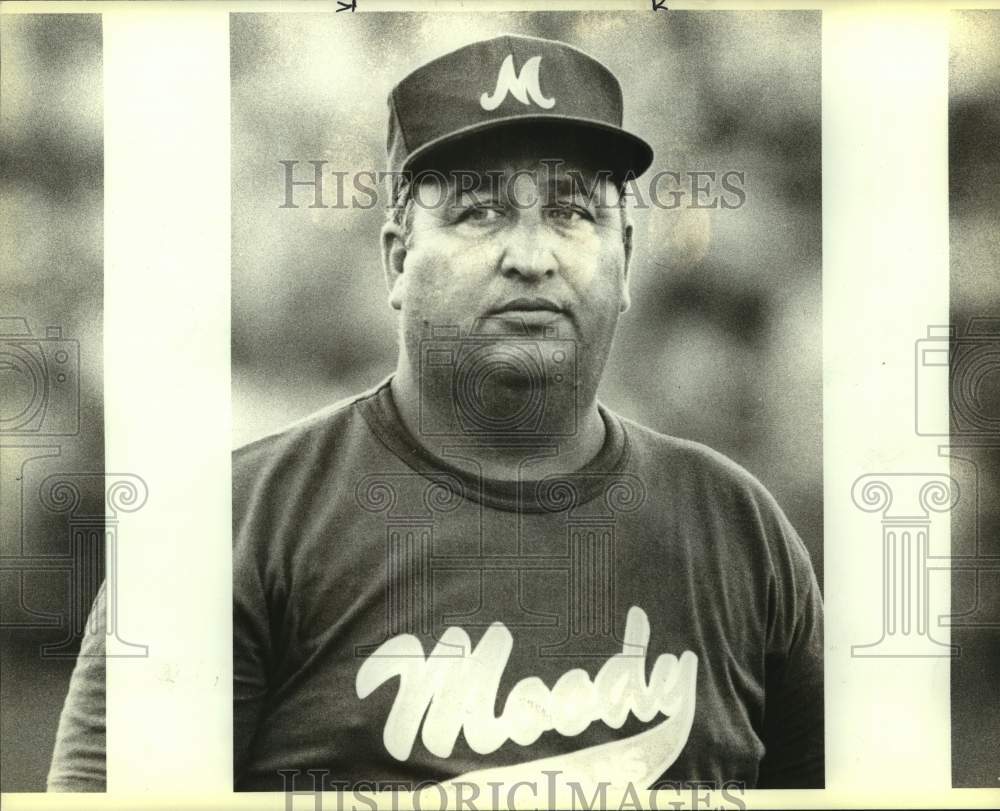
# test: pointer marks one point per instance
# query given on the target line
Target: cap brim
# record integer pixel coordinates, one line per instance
(629, 154)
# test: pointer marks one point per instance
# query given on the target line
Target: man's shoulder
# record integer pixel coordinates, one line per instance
(707, 484)
(694, 459)
(303, 437)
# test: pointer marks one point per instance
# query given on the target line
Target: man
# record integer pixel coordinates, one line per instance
(476, 571)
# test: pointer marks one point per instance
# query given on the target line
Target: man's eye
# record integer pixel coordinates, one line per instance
(480, 214)
(567, 213)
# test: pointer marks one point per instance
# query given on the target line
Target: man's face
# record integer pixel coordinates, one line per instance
(507, 244)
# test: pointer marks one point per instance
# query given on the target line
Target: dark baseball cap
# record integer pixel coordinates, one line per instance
(511, 81)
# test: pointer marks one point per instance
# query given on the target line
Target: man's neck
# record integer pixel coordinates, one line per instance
(502, 457)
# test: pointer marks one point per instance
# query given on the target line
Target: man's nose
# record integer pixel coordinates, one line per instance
(528, 251)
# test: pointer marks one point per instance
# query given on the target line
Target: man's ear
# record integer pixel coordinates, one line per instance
(393, 258)
(627, 245)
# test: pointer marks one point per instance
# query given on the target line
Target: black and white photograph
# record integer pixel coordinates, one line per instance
(428, 404)
(566, 517)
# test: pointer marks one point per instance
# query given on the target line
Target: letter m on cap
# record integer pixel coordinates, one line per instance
(523, 87)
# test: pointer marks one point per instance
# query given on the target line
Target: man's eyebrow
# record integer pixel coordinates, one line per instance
(574, 182)
(473, 184)
(468, 186)
(578, 188)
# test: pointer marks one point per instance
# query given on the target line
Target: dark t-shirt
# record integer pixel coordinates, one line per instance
(652, 617)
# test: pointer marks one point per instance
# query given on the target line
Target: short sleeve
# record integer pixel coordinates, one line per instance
(793, 716)
(251, 653)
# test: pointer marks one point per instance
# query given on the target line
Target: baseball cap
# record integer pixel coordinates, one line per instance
(510, 81)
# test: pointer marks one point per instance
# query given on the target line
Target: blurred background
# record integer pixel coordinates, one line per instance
(974, 208)
(51, 422)
(723, 341)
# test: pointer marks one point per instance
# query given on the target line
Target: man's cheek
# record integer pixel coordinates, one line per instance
(473, 257)
(434, 297)
(587, 258)
(603, 282)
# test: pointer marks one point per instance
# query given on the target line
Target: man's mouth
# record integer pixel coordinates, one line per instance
(527, 305)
